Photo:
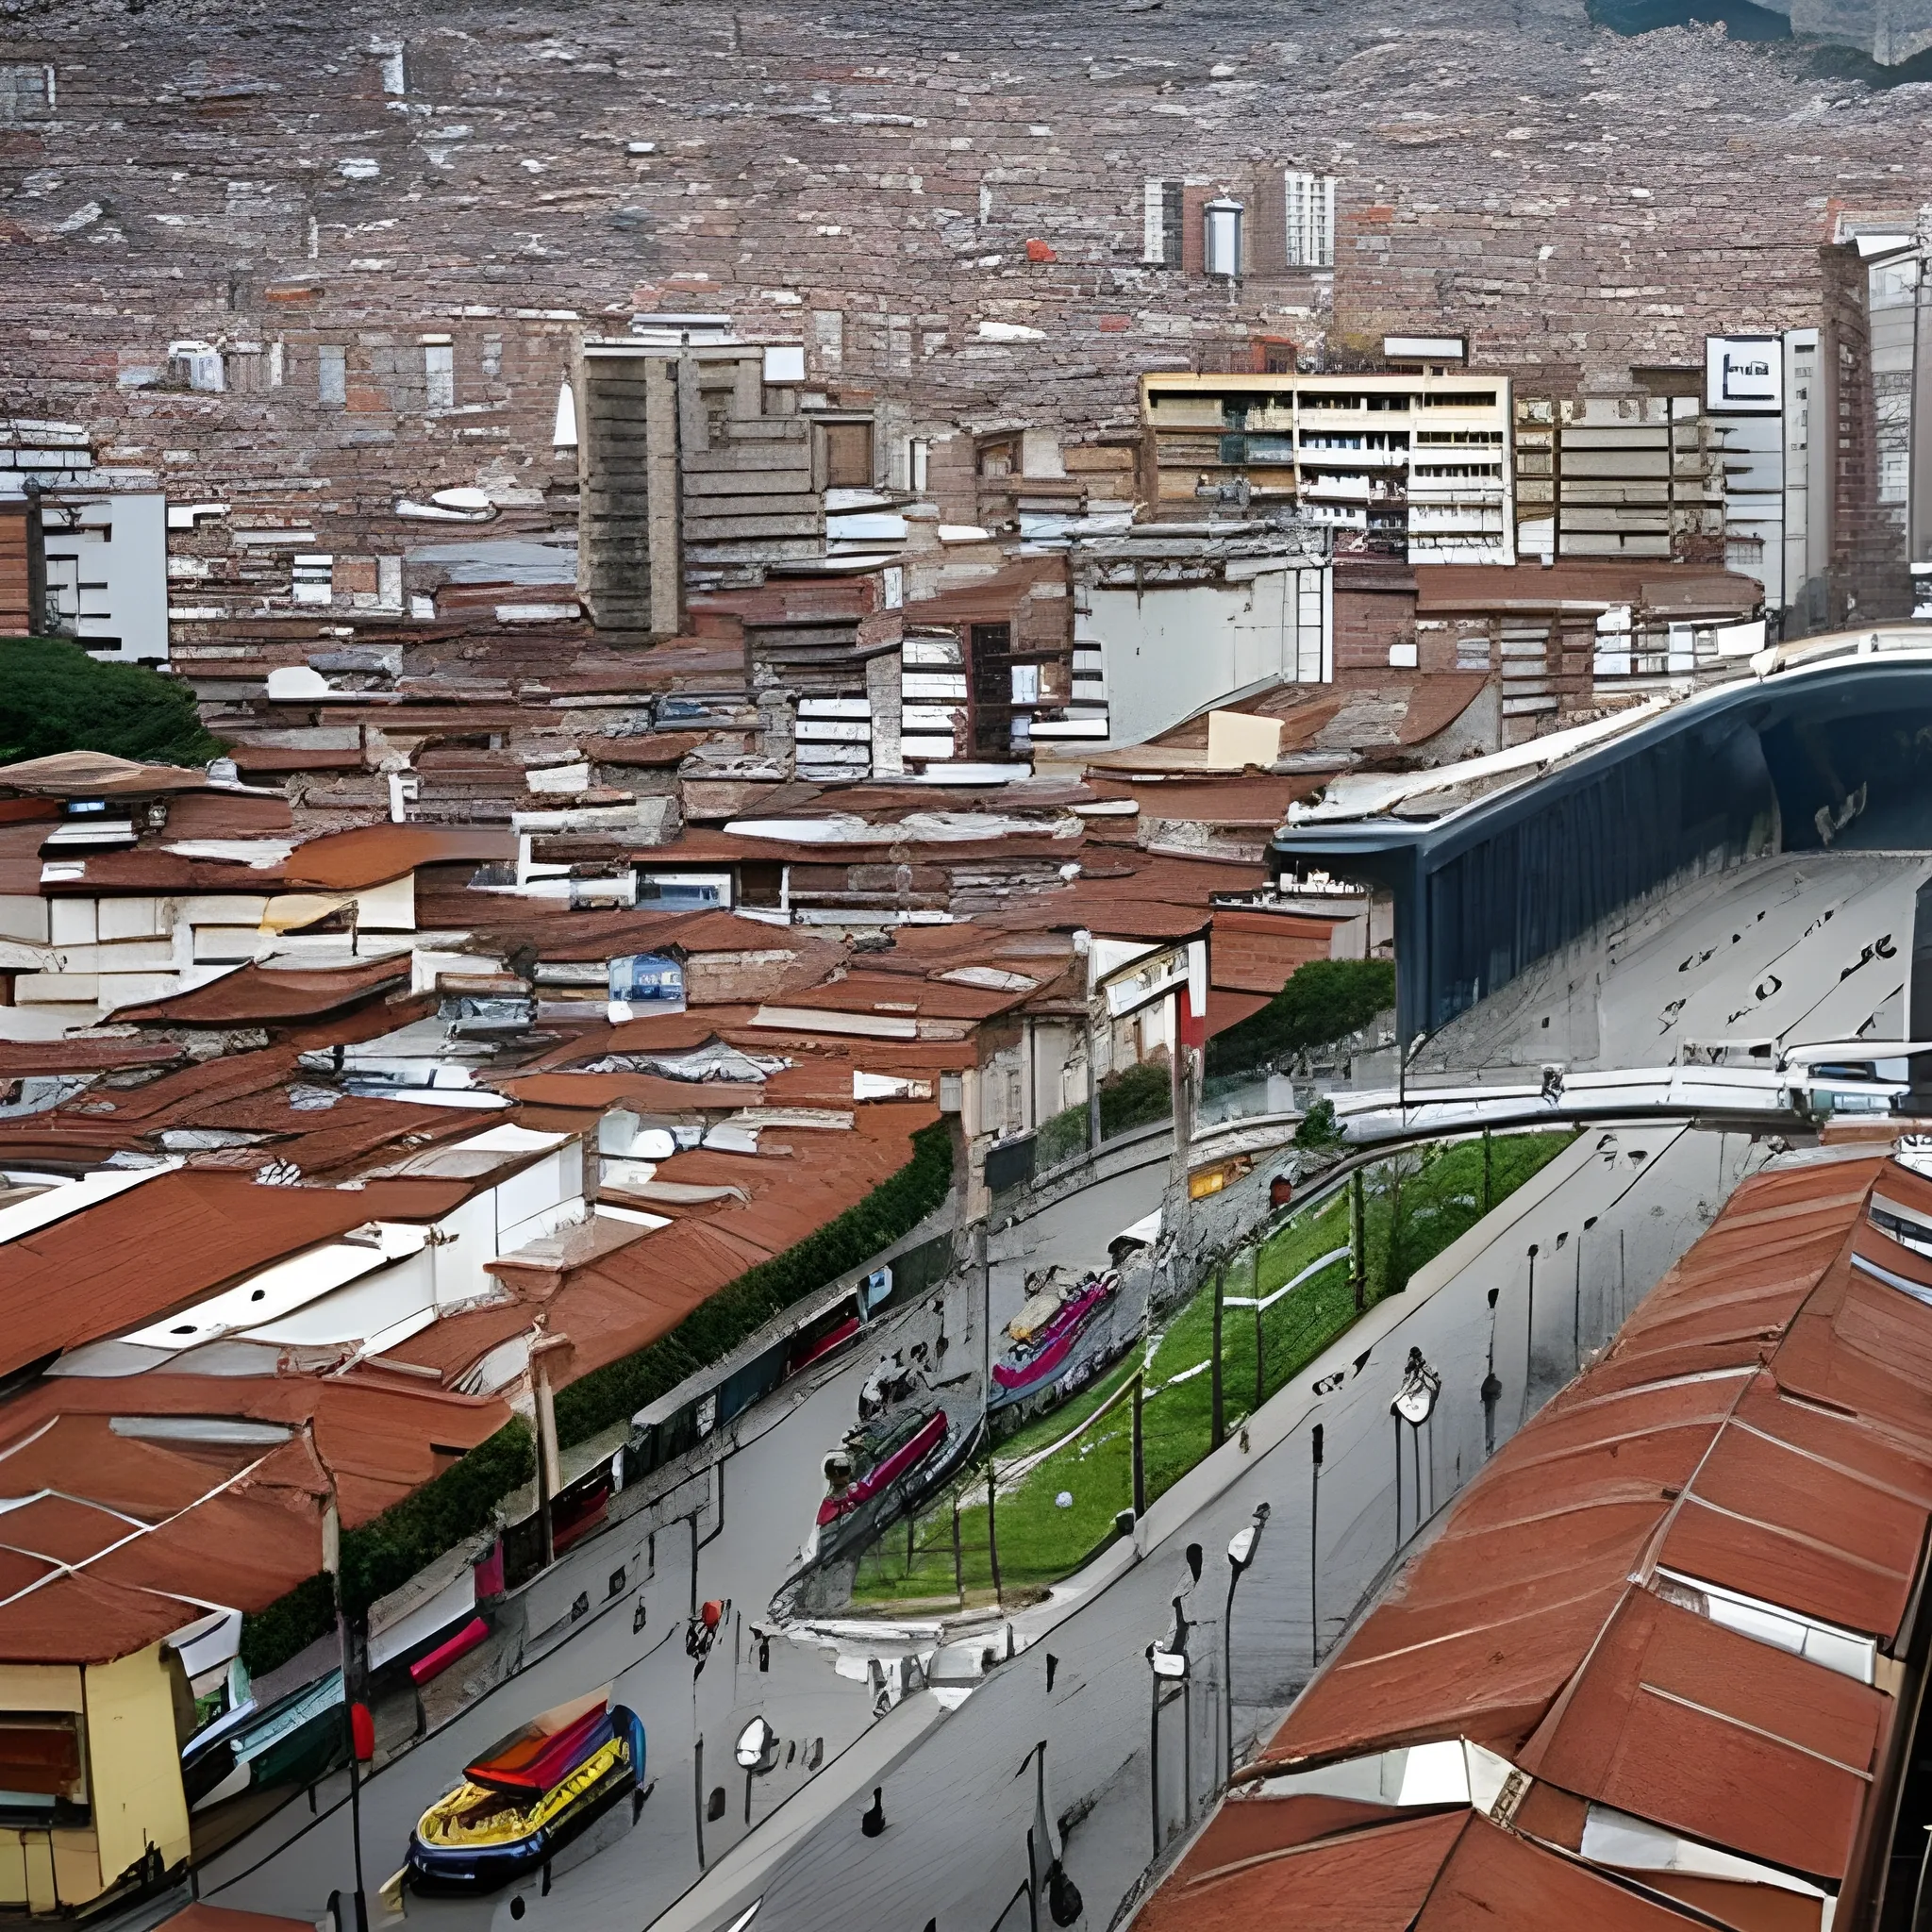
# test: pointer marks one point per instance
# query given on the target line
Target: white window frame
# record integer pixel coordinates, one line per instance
(1308, 203)
(312, 578)
(440, 375)
(1161, 244)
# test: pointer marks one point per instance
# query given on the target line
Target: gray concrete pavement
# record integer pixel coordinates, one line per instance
(772, 1487)
(1775, 949)
(952, 1765)
(970, 1763)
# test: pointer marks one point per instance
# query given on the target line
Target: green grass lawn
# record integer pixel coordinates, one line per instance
(1415, 1206)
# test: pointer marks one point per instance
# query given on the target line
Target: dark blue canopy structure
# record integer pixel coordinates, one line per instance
(1838, 752)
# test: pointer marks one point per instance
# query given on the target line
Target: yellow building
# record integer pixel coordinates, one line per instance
(90, 1776)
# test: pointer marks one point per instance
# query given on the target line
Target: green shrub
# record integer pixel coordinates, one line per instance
(714, 1328)
(1318, 1127)
(1324, 1000)
(1136, 1098)
(384, 1554)
(289, 1624)
(54, 697)
(1062, 1137)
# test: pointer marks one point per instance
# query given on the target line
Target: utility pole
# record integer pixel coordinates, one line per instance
(1217, 1426)
(1357, 1243)
(1315, 1551)
(1140, 1448)
(1529, 1334)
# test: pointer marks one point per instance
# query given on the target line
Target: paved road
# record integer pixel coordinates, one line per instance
(1774, 950)
(1095, 1719)
(1798, 950)
(771, 1490)
(943, 1764)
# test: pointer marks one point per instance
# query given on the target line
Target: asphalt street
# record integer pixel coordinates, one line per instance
(626, 1873)
(1796, 950)
(1081, 1689)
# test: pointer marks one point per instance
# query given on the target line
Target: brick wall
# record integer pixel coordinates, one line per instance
(867, 179)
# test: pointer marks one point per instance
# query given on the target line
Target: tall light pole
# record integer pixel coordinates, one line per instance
(1240, 1553)
(332, 1562)
(1528, 1333)
(1168, 1661)
(1576, 1310)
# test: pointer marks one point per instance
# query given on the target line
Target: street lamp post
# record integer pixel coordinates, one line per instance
(1315, 1551)
(1168, 1666)
(1415, 1403)
(1240, 1553)
(1167, 1660)
(332, 1562)
(1529, 1332)
(1577, 1310)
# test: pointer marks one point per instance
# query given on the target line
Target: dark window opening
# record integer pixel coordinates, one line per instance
(848, 456)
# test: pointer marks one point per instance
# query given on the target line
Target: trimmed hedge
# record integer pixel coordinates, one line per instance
(1324, 1000)
(385, 1553)
(712, 1330)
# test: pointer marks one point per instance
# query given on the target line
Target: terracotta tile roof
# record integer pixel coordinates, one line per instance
(651, 749)
(621, 1302)
(254, 994)
(21, 1058)
(152, 1248)
(228, 815)
(257, 757)
(1760, 1426)
(136, 1568)
(1365, 1881)
(1233, 800)
(1585, 585)
(372, 855)
(904, 995)
(650, 1093)
(1435, 703)
(97, 774)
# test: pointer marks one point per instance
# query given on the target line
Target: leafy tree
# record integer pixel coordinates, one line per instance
(54, 697)
(1319, 1127)
(1322, 1000)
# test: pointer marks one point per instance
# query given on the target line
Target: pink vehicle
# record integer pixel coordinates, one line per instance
(1032, 1362)
(902, 1450)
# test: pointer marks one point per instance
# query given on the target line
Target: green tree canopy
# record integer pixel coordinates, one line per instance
(1323, 1001)
(54, 697)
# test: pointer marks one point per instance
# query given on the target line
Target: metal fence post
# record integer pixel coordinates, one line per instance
(993, 1535)
(1217, 1426)
(1260, 1341)
(1357, 1243)
(1139, 1447)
